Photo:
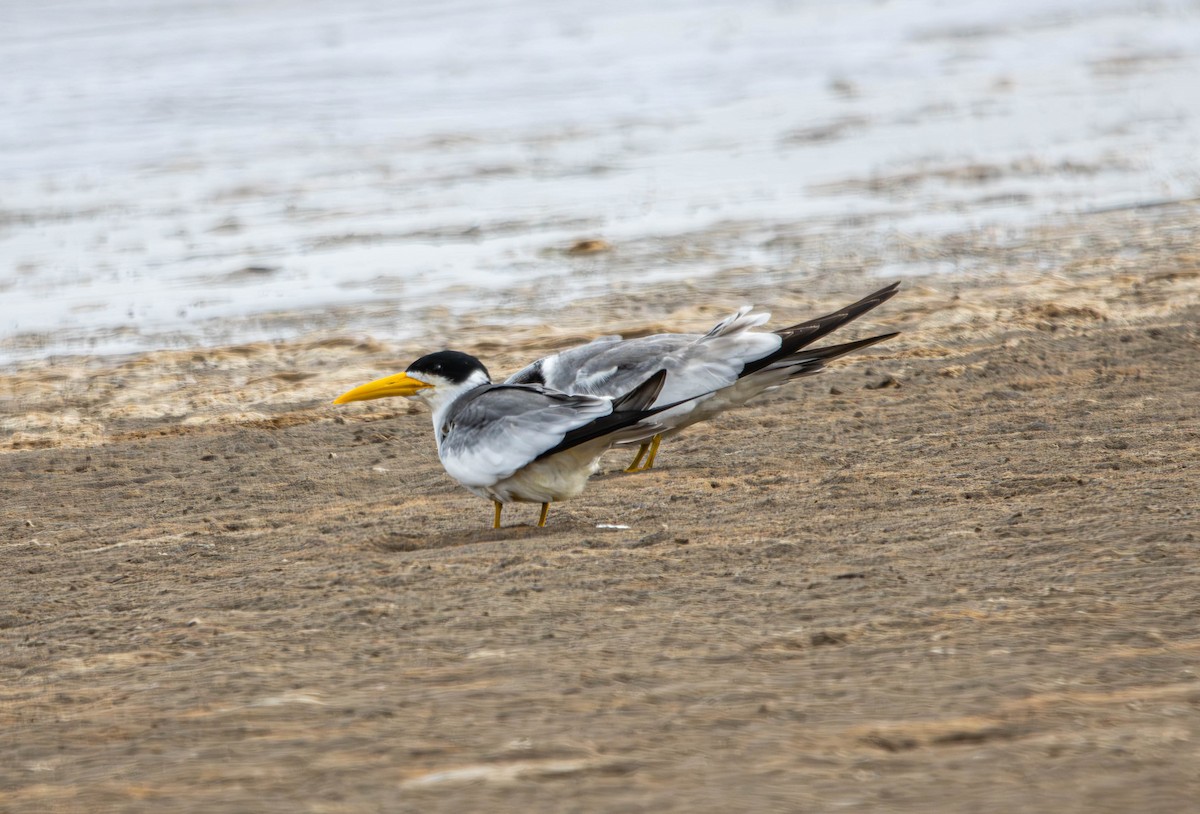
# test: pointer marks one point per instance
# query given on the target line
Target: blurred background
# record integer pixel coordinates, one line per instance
(192, 174)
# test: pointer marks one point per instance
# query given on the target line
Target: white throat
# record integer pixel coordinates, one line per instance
(442, 396)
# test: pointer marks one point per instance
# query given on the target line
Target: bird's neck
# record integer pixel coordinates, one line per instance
(443, 401)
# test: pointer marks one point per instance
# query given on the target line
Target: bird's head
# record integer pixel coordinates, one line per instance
(436, 379)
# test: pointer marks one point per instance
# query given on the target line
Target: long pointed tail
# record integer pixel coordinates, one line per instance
(798, 336)
(809, 361)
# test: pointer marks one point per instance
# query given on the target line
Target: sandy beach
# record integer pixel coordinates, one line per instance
(956, 573)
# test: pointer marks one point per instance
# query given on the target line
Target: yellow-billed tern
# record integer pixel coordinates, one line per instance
(517, 442)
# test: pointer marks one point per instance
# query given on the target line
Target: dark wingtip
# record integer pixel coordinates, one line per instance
(642, 396)
(629, 409)
(814, 329)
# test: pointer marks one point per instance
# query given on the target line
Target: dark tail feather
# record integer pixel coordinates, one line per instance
(808, 362)
(803, 334)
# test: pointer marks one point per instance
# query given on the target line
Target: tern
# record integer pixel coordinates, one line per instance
(706, 374)
(517, 442)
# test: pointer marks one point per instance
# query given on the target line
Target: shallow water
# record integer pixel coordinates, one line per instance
(204, 174)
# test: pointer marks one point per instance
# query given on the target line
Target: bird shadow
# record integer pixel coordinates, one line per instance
(620, 474)
(402, 541)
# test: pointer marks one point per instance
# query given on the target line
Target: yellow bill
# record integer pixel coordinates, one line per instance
(400, 384)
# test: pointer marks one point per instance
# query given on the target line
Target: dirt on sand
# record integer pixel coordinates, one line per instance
(958, 572)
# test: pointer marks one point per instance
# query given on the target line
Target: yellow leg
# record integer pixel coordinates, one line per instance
(496, 522)
(633, 467)
(545, 511)
(653, 451)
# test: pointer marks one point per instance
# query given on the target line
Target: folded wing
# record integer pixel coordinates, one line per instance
(497, 429)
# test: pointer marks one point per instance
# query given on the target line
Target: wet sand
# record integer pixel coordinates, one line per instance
(956, 573)
(226, 175)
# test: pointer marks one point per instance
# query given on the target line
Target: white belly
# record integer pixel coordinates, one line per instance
(559, 477)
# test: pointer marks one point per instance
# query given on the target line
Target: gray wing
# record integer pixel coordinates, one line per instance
(498, 429)
(608, 366)
(696, 364)
(558, 370)
(619, 367)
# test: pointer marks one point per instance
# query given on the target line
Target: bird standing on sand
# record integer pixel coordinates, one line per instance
(517, 442)
(706, 374)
